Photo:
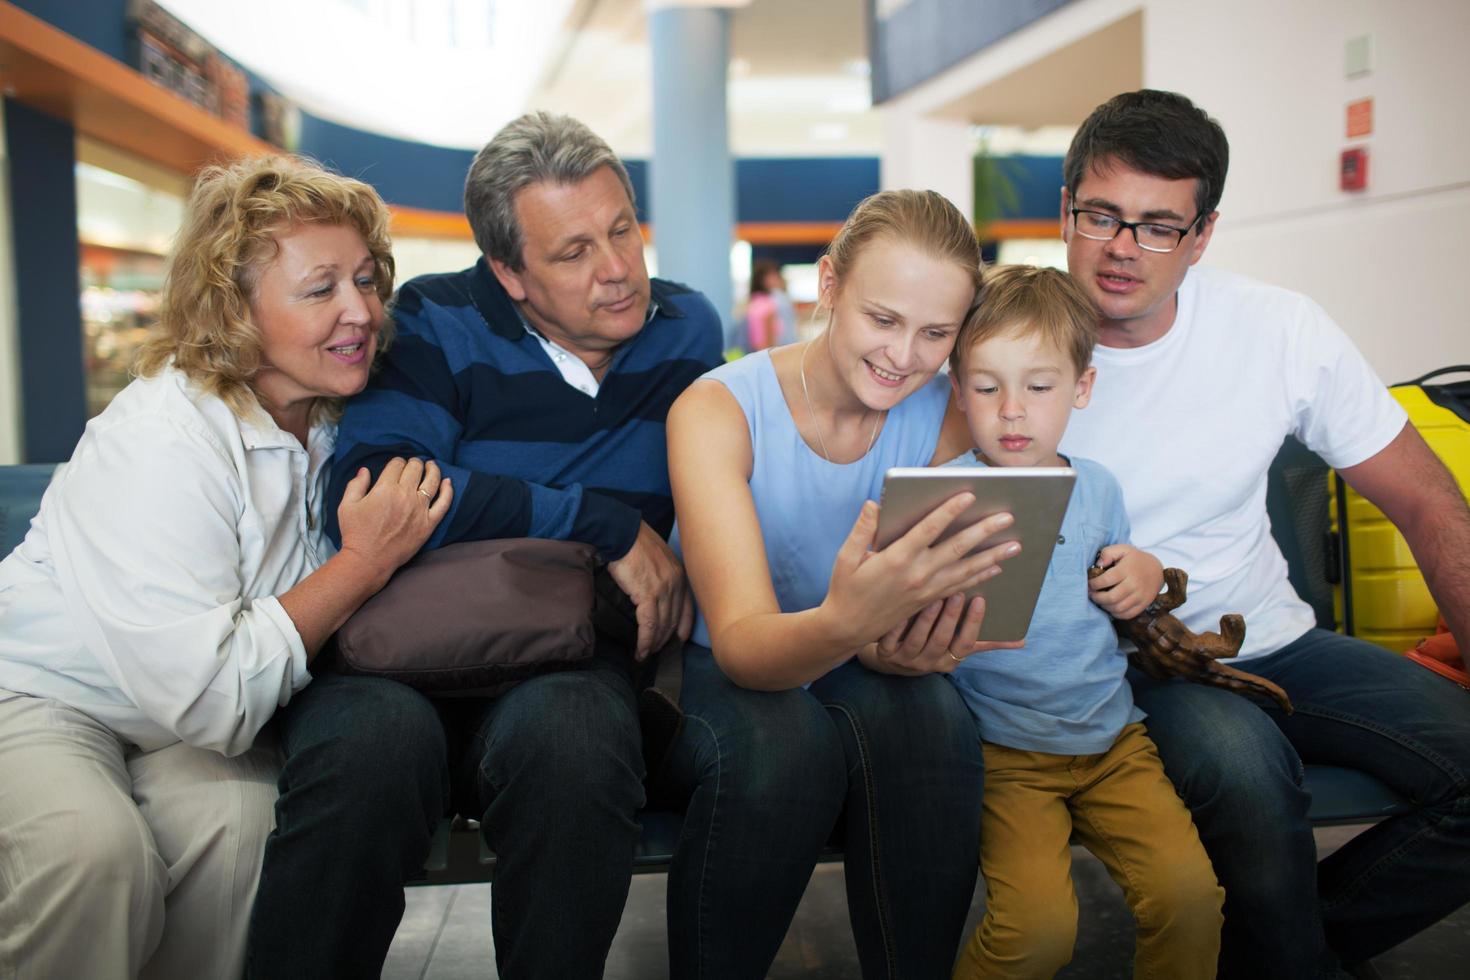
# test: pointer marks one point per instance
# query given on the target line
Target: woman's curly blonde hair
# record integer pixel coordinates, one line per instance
(227, 239)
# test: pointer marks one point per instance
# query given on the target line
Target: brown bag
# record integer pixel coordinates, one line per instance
(471, 619)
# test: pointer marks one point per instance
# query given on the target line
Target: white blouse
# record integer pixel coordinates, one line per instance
(145, 592)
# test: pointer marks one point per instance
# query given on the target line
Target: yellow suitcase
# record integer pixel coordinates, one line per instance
(1380, 595)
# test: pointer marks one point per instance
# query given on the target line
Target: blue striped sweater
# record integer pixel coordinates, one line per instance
(467, 385)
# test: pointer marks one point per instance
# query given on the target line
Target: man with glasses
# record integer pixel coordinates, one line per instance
(1201, 376)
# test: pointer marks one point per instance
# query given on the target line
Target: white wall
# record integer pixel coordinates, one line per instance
(1390, 263)
(10, 447)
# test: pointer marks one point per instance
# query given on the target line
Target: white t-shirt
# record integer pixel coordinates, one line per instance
(1190, 423)
(144, 594)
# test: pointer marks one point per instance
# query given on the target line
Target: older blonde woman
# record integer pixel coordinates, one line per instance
(176, 584)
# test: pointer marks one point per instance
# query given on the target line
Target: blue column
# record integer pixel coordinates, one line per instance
(43, 218)
(691, 175)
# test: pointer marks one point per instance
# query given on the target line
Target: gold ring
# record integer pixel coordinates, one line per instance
(425, 494)
(952, 657)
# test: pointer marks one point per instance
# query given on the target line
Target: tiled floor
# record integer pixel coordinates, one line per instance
(446, 933)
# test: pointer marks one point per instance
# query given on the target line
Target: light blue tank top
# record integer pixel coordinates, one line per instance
(807, 505)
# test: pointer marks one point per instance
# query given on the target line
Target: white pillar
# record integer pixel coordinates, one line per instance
(692, 175)
(928, 153)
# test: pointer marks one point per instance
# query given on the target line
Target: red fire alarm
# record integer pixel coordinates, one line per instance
(1354, 173)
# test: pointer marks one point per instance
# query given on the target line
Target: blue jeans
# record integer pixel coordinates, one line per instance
(364, 783)
(1238, 765)
(894, 762)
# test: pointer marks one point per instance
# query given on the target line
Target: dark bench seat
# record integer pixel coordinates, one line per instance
(459, 854)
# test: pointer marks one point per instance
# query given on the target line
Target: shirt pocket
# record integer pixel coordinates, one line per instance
(1076, 550)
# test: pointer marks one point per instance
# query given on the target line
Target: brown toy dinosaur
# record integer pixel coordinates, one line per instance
(1167, 648)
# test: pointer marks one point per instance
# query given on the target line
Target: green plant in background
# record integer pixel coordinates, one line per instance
(995, 187)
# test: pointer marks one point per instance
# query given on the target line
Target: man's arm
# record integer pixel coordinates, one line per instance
(412, 408)
(1411, 486)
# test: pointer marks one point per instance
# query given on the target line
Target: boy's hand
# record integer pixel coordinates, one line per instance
(1131, 579)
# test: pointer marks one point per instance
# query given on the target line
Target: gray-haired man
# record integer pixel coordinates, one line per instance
(539, 378)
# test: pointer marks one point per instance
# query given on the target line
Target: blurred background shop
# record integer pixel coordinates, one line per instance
(756, 124)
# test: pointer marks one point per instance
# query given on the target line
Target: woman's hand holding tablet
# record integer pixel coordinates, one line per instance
(1035, 501)
(903, 605)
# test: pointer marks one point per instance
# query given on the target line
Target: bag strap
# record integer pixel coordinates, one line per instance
(1437, 372)
(1451, 396)
(668, 678)
(659, 714)
(1344, 555)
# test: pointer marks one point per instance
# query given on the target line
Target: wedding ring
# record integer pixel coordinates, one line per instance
(425, 494)
(952, 657)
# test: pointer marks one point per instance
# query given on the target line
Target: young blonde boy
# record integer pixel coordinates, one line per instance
(1066, 752)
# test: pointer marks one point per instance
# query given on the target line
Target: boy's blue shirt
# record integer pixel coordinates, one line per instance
(1065, 691)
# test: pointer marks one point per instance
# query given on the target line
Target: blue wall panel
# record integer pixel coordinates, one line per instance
(100, 23)
(801, 188)
(412, 174)
(421, 176)
(43, 213)
(1038, 185)
(638, 177)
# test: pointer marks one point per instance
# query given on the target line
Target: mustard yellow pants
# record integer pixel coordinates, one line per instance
(1122, 807)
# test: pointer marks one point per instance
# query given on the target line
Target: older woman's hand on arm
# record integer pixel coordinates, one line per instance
(382, 527)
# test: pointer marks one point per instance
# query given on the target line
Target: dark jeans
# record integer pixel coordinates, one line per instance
(895, 761)
(1239, 767)
(363, 785)
(554, 767)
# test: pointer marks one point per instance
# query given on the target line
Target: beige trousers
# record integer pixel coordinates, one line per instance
(116, 862)
(1123, 809)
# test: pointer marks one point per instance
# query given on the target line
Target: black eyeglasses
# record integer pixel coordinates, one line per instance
(1150, 235)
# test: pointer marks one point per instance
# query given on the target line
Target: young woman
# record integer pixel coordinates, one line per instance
(811, 687)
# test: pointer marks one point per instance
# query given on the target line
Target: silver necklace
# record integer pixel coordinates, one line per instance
(872, 436)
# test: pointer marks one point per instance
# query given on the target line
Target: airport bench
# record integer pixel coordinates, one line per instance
(1297, 503)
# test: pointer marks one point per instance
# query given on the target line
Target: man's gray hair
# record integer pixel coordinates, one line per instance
(537, 147)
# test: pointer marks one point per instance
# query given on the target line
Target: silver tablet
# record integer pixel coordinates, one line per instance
(1036, 497)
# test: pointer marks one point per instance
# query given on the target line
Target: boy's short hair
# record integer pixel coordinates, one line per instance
(1030, 299)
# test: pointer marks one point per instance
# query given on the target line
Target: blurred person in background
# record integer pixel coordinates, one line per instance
(770, 317)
